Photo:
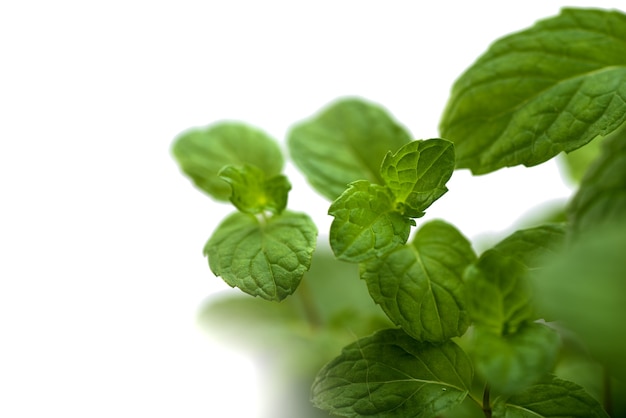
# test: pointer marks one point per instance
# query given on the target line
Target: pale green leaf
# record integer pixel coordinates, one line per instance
(366, 224)
(391, 375)
(417, 173)
(252, 192)
(262, 258)
(499, 293)
(420, 286)
(202, 152)
(549, 398)
(513, 362)
(601, 197)
(551, 88)
(344, 143)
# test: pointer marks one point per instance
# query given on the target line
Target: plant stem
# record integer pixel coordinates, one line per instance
(486, 402)
(306, 299)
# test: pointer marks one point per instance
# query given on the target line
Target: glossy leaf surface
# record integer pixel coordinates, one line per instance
(391, 375)
(265, 259)
(417, 173)
(551, 88)
(366, 224)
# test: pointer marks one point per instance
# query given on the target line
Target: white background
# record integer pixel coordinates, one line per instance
(101, 269)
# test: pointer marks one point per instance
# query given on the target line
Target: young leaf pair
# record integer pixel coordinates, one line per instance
(263, 249)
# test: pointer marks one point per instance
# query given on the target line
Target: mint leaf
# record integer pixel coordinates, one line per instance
(533, 246)
(551, 88)
(202, 152)
(262, 259)
(417, 173)
(252, 192)
(344, 143)
(499, 294)
(584, 289)
(420, 286)
(512, 362)
(601, 197)
(366, 224)
(549, 398)
(391, 375)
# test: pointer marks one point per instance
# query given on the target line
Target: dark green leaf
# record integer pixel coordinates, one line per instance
(420, 286)
(264, 259)
(549, 398)
(601, 198)
(417, 173)
(344, 143)
(366, 224)
(512, 362)
(203, 152)
(499, 294)
(551, 88)
(252, 192)
(391, 375)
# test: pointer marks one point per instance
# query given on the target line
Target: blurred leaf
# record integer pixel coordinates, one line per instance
(513, 362)
(297, 341)
(344, 143)
(585, 289)
(498, 293)
(365, 223)
(417, 173)
(601, 197)
(252, 192)
(550, 88)
(266, 259)
(549, 398)
(202, 152)
(574, 165)
(391, 375)
(420, 286)
(532, 246)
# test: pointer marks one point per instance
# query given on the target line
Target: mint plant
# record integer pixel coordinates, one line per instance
(526, 328)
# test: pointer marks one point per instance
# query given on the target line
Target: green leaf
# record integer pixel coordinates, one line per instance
(532, 246)
(585, 288)
(252, 192)
(499, 294)
(601, 197)
(265, 259)
(512, 362)
(344, 143)
(551, 88)
(202, 152)
(573, 165)
(420, 286)
(391, 375)
(417, 173)
(366, 224)
(549, 398)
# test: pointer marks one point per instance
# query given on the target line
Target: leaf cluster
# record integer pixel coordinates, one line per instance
(487, 331)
